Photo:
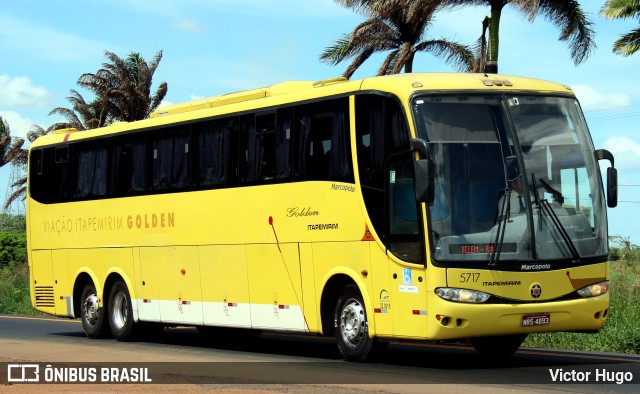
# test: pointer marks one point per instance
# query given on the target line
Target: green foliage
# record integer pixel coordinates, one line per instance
(14, 290)
(13, 223)
(13, 248)
(14, 270)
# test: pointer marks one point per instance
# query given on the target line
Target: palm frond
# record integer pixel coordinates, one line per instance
(337, 52)
(621, 9)
(458, 55)
(20, 193)
(35, 132)
(389, 63)
(628, 43)
(575, 26)
(403, 59)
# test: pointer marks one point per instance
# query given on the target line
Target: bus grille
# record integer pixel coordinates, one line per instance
(44, 296)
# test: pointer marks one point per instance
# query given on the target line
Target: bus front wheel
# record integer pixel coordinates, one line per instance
(499, 346)
(121, 312)
(93, 320)
(350, 325)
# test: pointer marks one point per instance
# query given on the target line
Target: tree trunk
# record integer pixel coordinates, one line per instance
(491, 67)
(408, 66)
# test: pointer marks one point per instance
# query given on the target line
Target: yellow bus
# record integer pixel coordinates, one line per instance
(374, 210)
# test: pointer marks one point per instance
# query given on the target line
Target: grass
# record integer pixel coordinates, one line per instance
(14, 290)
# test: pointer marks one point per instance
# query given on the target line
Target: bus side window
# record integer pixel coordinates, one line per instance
(170, 159)
(381, 133)
(404, 239)
(61, 183)
(90, 164)
(215, 153)
(257, 142)
(128, 165)
(323, 149)
(40, 174)
(283, 143)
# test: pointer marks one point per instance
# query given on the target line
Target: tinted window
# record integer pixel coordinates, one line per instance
(90, 162)
(323, 149)
(215, 157)
(380, 132)
(128, 165)
(170, 159)
(40, 166)
(61, 175)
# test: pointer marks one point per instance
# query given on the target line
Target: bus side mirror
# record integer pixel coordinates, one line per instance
(612, 177)
(423, 171)
(424, 181)
(612, 187)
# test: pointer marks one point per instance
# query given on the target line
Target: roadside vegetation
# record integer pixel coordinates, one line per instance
(14, 270)
(620, 335)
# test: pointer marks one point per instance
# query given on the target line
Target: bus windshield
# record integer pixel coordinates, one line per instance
(515, 180)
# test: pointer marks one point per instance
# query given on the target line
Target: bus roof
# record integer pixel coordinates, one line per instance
(402, 85)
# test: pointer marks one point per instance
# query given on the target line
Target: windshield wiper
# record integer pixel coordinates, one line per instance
(502, 225)
(557, 196)
(545, 206)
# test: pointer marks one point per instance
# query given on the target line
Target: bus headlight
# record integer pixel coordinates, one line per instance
(594, 290)
(462, 295)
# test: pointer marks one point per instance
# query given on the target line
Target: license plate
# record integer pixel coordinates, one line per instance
(536, 320)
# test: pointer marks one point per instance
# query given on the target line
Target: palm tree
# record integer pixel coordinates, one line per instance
(10, 147)
(82, 115)
(124, 86)
(20, 158)
(11, 152)
(575, 26)
(122, 93)
(397, 26)
(629, 43)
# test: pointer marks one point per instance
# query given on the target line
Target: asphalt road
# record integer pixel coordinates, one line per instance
(272, 362)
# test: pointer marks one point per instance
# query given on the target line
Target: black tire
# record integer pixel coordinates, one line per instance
(498, 347)
(93, 316)
(350, 325)
(121, 313)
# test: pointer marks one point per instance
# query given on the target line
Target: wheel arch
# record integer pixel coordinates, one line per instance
(332, 290)
(117, 275)
(84, 278)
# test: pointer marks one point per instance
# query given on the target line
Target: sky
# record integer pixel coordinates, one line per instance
(212, 47)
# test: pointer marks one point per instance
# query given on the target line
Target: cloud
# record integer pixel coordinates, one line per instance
(626, 152)
(266, 9)
(20, 92)
(18, 125)
(591, 99)
(35, 40)
(190, 26)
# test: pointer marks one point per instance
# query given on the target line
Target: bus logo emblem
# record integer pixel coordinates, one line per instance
(536, 291)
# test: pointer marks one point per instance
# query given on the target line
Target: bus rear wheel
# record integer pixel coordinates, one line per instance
(121, 312)
(93, 319)
(350, 325)
(499, 346)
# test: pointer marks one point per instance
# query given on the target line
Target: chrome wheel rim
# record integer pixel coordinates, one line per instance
(352, 322)
(120, 310)
(90, 309)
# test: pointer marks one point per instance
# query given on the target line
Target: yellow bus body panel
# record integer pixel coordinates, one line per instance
(262, 256)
